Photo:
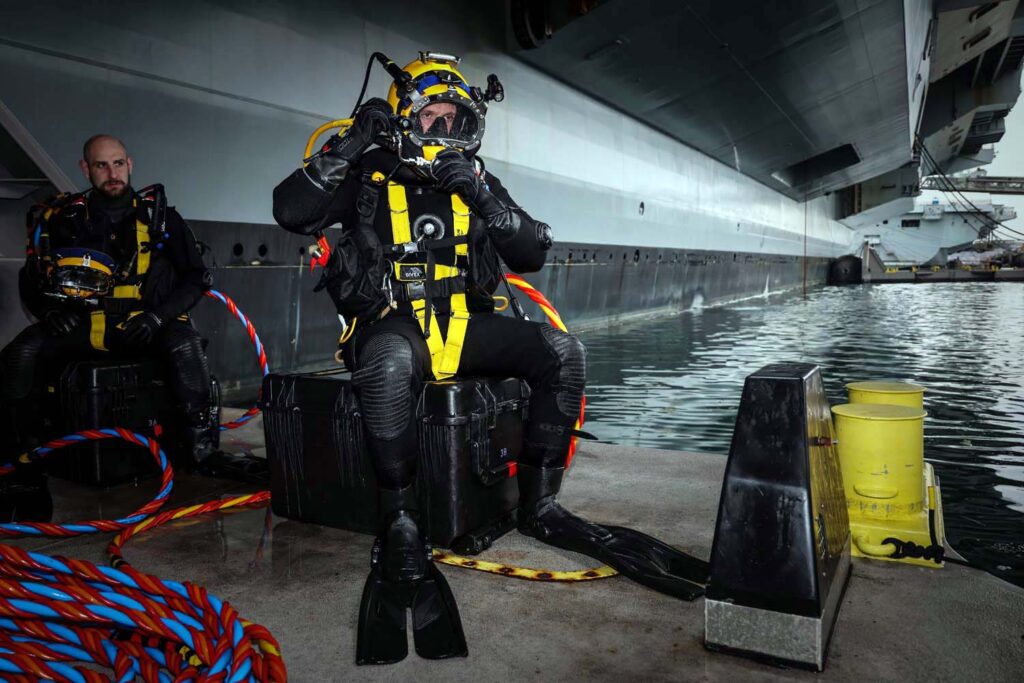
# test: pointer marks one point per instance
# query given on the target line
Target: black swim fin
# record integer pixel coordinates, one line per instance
(404, 577)
(637, 556)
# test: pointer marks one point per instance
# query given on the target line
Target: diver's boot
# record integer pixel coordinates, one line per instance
(637, 556)
(403, 576)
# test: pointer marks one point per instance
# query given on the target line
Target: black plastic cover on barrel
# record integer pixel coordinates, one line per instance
(782, 522)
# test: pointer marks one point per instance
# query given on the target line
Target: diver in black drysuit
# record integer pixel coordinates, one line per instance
(390, 358)
(173, 283)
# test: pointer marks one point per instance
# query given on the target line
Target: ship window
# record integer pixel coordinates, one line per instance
(237, 249)
(262, 251)
(910, 223)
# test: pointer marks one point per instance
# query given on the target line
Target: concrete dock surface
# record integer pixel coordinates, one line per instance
(303, 582)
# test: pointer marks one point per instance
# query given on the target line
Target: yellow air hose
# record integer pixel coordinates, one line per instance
(337, 123)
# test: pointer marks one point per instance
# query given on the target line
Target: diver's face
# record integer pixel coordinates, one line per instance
(108, 167)
(433, 113)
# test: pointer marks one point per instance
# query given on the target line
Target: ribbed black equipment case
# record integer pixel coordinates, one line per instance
(92, 395)
(98, 394)
(471, 434)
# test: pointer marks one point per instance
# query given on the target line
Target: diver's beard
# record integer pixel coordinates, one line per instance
(117, 191)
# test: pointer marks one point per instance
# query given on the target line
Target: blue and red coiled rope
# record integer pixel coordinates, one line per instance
(59, 617)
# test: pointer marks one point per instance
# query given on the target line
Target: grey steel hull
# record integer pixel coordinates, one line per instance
(590, 285)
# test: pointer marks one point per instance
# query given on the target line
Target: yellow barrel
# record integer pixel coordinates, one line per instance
(894, 393)
(881, 455)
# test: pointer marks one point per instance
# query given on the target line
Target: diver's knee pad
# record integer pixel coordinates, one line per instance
(384, 379)
(572, 369)
(184, 347)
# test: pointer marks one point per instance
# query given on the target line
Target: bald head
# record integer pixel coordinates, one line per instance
(105, 162)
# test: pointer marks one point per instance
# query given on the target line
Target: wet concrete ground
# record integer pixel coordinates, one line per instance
(304, 583)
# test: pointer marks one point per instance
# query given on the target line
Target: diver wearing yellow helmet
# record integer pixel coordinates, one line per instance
(424, 228)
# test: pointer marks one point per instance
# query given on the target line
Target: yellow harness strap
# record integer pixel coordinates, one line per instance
(98, 330)
(445, 353)
(141, 263)
(460, 214)
(142, 244)
(98, 319)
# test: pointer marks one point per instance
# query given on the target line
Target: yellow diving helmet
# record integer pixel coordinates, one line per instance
(438, 108)
(81, 273)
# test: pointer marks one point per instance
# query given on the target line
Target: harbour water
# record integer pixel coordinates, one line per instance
(676, 383)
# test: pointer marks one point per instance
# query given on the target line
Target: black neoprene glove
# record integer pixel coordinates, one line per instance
(140, 330)
(455, 174)
(60, 322)
(340, 151)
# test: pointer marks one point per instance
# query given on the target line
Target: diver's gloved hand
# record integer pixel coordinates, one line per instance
(455, 174)
(60, 322)
(140, 330)
(331, 166)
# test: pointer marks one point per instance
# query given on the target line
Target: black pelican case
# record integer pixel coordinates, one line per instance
(470, 432)
(98, 394)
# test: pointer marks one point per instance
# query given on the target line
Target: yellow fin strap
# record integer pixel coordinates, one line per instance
(98, 330)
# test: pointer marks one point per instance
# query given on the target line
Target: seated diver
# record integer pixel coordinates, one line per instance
(109, 272)
(423, 227)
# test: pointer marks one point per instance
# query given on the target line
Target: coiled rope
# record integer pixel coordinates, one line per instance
(57, 614)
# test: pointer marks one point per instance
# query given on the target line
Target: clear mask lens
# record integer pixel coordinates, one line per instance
(447, 123)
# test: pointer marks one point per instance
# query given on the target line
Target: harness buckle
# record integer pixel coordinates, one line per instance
(415, 290)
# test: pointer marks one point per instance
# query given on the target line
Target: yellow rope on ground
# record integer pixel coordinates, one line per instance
(527, 573)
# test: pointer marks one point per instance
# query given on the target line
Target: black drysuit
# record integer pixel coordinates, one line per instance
(174, 282)
(389, 355)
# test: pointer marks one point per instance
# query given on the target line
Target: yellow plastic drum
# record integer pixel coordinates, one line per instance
(881, 454)
(891, 493)
(894, 393)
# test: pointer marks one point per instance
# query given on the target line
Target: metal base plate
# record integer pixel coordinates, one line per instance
(787, 638)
